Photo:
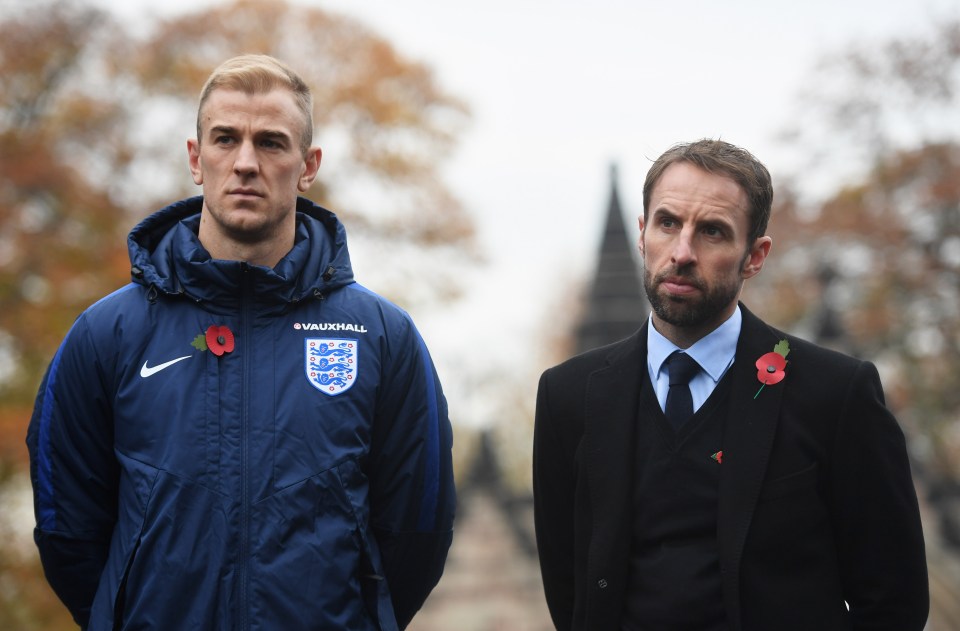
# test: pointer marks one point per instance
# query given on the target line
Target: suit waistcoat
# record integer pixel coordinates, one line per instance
(674, 580)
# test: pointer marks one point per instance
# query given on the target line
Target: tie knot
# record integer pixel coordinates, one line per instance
(682, 368)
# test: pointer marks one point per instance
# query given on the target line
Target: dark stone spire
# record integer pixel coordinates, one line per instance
(616, 304)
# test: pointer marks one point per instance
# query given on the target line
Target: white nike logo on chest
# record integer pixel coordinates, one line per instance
(147, 371)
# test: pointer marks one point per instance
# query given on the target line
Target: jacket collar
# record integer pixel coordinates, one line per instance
(166, 255)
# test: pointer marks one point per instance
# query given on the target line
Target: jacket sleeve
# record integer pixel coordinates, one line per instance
(876, 515)
(412, 495)
(553, 492)
(73, 472)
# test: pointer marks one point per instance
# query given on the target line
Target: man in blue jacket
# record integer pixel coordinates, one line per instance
(243, 437)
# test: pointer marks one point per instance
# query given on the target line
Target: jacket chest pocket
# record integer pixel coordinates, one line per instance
(790, 509)
(314, 432)
(166, 414)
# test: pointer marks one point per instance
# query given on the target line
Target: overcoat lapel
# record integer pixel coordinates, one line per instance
(609, 434)
(748, 439)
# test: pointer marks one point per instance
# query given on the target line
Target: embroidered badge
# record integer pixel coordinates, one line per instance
(331, 364)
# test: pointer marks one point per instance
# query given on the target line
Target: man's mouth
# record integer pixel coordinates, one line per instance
(679, 285)
(246, 192)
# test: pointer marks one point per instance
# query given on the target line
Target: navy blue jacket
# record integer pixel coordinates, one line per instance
(301, 480)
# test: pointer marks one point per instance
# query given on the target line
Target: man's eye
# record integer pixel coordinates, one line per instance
(223, 140)
(272, 143)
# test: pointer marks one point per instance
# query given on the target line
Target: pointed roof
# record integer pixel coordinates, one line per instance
(616, 304)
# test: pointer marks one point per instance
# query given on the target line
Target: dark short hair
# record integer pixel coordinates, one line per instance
(721, 158)
(259, 74)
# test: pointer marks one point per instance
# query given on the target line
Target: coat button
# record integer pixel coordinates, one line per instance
(602, 583)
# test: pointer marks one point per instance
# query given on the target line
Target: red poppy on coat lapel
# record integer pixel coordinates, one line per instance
(770, 366)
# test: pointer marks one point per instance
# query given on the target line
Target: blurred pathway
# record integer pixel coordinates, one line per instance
(491, 583)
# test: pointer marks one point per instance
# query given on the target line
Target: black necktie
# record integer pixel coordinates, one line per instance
(681, 368)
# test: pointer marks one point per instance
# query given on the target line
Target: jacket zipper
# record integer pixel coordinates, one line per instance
(245, 300)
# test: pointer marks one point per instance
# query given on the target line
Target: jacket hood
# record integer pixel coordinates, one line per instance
(166, 255)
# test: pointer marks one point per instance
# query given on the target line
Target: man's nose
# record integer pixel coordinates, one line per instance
(684, 252)
(246, 162)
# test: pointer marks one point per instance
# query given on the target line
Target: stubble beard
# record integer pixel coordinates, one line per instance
(689, 312)
(261, 225)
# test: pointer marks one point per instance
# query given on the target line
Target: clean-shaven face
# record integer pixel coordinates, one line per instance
(250, 165)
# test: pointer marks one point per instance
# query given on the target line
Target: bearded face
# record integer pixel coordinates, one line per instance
(707, 301)
(695, 250)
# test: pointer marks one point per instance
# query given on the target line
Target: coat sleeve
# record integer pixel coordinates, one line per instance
(877, 520)
(74, 473)
(412, 495)
(553, 492)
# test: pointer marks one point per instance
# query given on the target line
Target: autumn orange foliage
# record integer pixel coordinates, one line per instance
(93, 121)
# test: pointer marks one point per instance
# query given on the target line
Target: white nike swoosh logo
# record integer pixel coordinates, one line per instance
(147, 371)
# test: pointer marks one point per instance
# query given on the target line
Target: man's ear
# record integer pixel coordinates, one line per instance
(311, 164)
(756, 257)
(193, 154)
(640, 243)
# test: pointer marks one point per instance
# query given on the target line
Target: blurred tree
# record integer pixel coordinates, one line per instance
(383, 122)
(61, 241)
(86, 122)
(26, 603)
(881, 256)
(874, 98)
(892, 245)
(93, 123)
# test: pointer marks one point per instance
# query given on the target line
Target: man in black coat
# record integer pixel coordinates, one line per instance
(710, 472)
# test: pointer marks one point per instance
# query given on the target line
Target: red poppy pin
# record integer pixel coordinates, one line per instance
(718, 457)
(218, 339)
(771, 366)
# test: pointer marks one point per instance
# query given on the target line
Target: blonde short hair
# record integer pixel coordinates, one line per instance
(257, 74)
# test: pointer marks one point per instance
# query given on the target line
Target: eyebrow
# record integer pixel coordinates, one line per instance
(723, 221)
(266, 133)
(662, 211)
(221, 129)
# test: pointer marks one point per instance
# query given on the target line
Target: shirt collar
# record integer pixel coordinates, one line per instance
(714, 352)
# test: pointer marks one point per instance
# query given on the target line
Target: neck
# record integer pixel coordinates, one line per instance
(267, 255)
(265, 247)
(685, 336)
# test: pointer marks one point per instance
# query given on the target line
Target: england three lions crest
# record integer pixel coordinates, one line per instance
(331, 364)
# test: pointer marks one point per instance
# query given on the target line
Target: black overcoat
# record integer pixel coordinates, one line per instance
(818, 526)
